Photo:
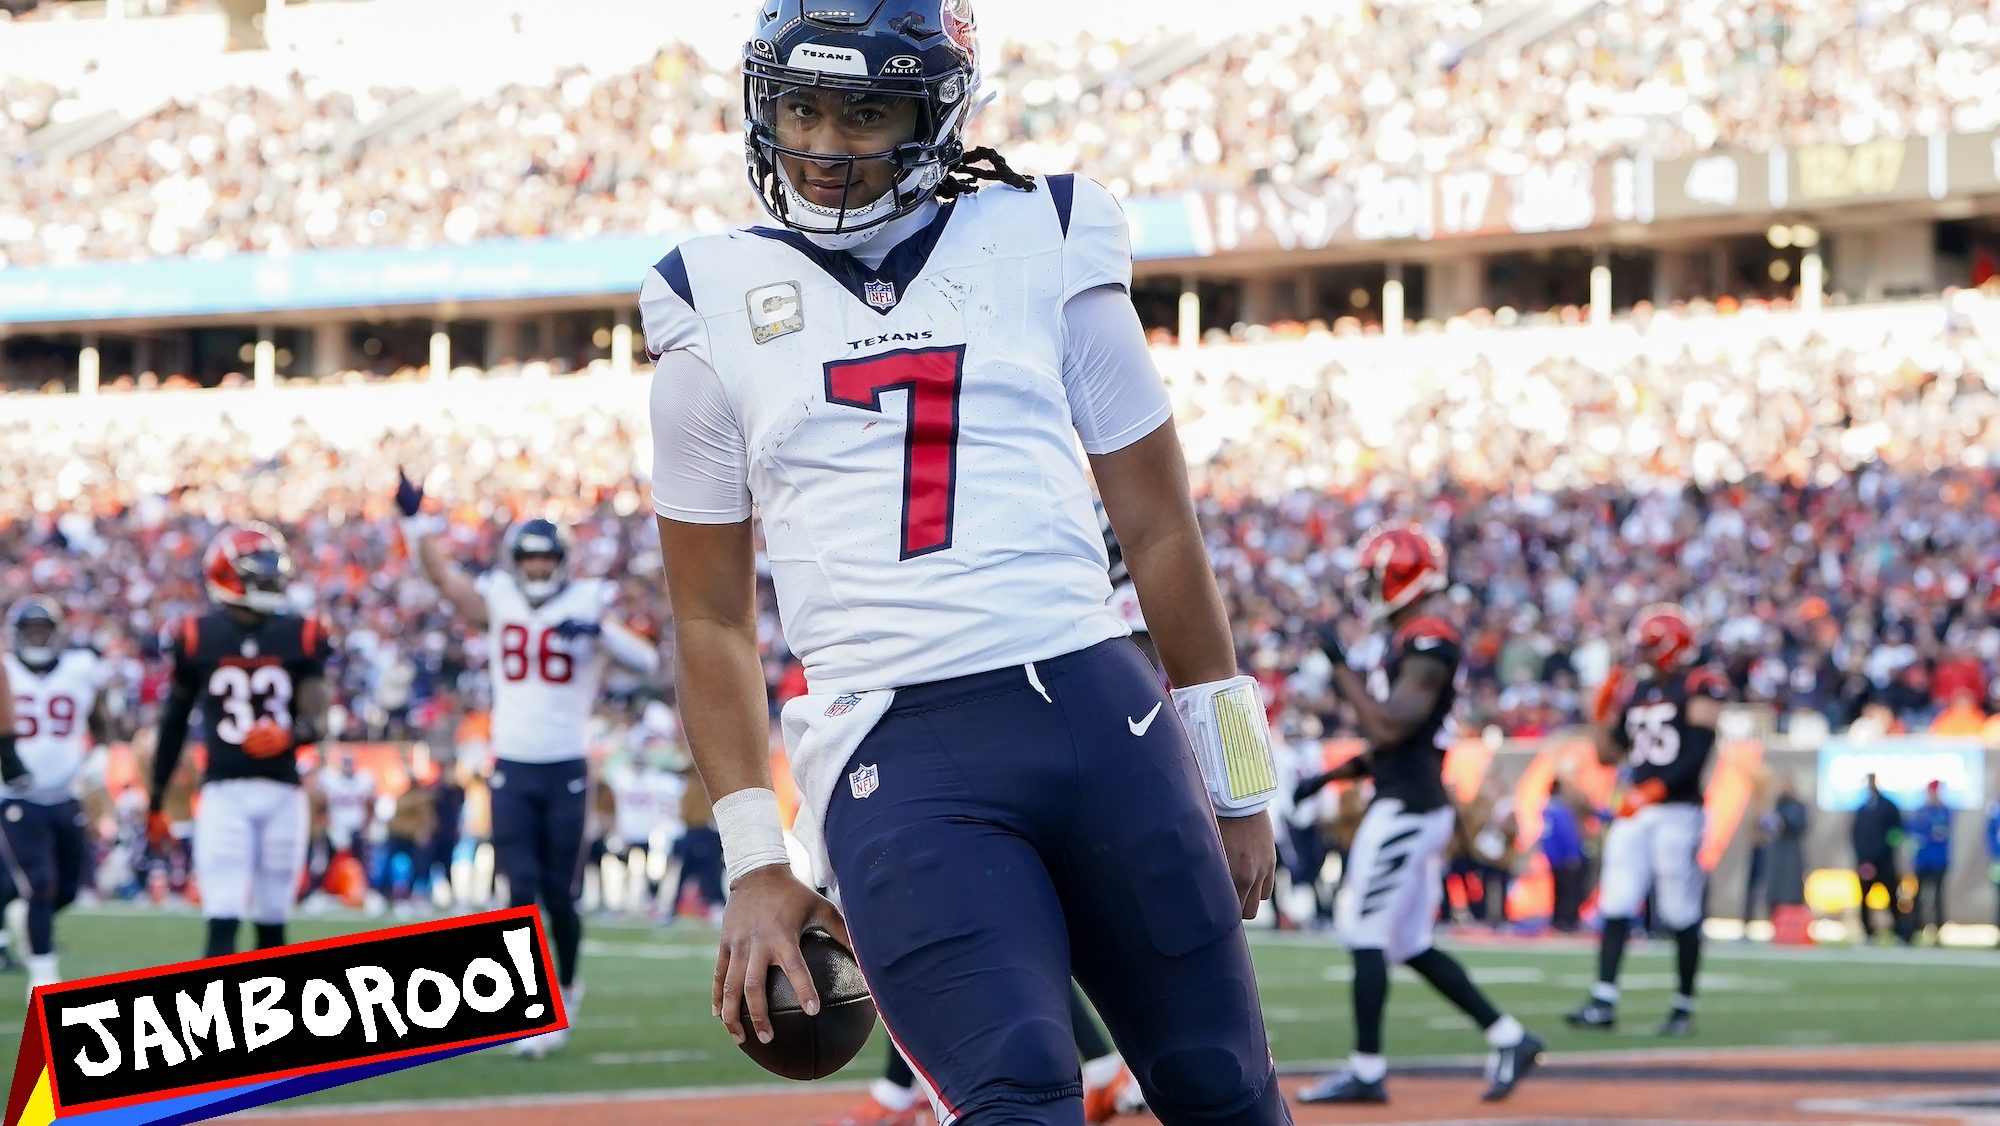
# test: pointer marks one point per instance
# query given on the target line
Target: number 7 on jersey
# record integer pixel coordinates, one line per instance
(933, 377)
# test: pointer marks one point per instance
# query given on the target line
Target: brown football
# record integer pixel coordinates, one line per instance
(814, 1047)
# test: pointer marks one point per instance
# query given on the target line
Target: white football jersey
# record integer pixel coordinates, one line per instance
(52, 722)
(647, 799)
(906, 432)
(543, 686)
(347, 802)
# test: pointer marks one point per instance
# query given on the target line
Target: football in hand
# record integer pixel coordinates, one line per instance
(814, 1047)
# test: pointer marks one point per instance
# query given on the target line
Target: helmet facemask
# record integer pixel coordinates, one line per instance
(533, 542)
(896, 140)
(265, 576)
(35, 631)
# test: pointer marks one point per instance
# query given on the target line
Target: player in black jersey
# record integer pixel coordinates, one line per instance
(257, 675)
(1389, 898)
(1663, 729)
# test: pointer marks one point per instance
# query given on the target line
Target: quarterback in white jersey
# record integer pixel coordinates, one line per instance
(57, 711)
(549, 638)
(896, 378)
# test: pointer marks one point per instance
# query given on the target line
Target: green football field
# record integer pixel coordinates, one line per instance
(644, 1023)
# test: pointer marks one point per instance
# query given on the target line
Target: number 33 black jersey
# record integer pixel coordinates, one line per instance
(241, 675)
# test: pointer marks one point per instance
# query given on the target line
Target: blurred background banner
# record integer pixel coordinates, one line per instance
(1904, 768)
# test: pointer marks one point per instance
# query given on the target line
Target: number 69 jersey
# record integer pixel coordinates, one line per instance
(242, 674)
(909, 432)
(544, 686)
(1659, 742)
(52, 721)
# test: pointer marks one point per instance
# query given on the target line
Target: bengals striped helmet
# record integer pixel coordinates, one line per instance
(248, 565)
(1397, 566)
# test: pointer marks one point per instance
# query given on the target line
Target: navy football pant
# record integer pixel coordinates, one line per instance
(1016, 837)
(43, 862)
(539, 810)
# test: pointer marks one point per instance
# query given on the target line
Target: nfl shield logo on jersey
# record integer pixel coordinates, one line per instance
(842, 705)
(864, 780)
(880, 294)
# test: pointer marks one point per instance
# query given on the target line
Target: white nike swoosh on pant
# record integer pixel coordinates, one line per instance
(1139, 726)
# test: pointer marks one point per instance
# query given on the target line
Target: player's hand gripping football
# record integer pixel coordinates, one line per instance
(767, 910)
(1252, 853)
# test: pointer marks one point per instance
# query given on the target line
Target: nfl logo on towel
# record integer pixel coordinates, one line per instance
(864, 780)
(842, 705)
(880, 294)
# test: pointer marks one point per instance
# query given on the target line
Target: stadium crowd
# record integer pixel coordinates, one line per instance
(655, 149)
(1827, 508)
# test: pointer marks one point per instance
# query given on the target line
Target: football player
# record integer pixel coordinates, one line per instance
(1108, 1087)
(258, 676)
(1395, 868)
(350, 806)
(58, 712)
(897, 374)
(1664, 732)
(549, 637)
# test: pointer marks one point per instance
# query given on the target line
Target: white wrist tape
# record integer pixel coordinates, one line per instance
(417, 527)
(1225, 722)
(752, 835)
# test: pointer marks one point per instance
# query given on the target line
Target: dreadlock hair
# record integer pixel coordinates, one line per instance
(964, 177)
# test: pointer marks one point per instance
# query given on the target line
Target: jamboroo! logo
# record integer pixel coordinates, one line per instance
(206, 1038)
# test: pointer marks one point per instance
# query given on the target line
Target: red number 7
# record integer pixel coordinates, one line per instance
(932, 376)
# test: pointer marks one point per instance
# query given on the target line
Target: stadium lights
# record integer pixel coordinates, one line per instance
(1804, 237)
(1779, 236)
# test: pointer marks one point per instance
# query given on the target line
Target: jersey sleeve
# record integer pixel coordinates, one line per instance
(1707, 683)
(182, 642)
(1432, 639)
(1097, 245)
(666, 310)
(1115, 393)
(313, 647)
(701, 464)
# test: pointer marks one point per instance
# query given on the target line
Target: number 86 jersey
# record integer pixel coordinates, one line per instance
(908, 431)
(544, 685)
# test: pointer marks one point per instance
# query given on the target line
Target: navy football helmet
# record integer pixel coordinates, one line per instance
(539, 537)
(866, 51)
(35, 623)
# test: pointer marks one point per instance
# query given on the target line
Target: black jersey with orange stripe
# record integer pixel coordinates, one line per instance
(1659, 741)
(1412, 769)
(242, 673)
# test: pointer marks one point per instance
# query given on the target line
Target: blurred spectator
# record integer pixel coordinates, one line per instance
(699, 891)
(1993, 852)
(1877, 833)
(1930, 825)
(1763, 831)
(1562, 847)
(1786, 879)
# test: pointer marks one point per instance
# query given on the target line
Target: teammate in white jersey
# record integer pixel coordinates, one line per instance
(549, 638)
(57, 713)
(350, 805)
(647, 819)
(897, 383)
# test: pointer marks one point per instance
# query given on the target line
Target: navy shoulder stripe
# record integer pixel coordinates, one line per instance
(675, 271)
(1062, 189)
